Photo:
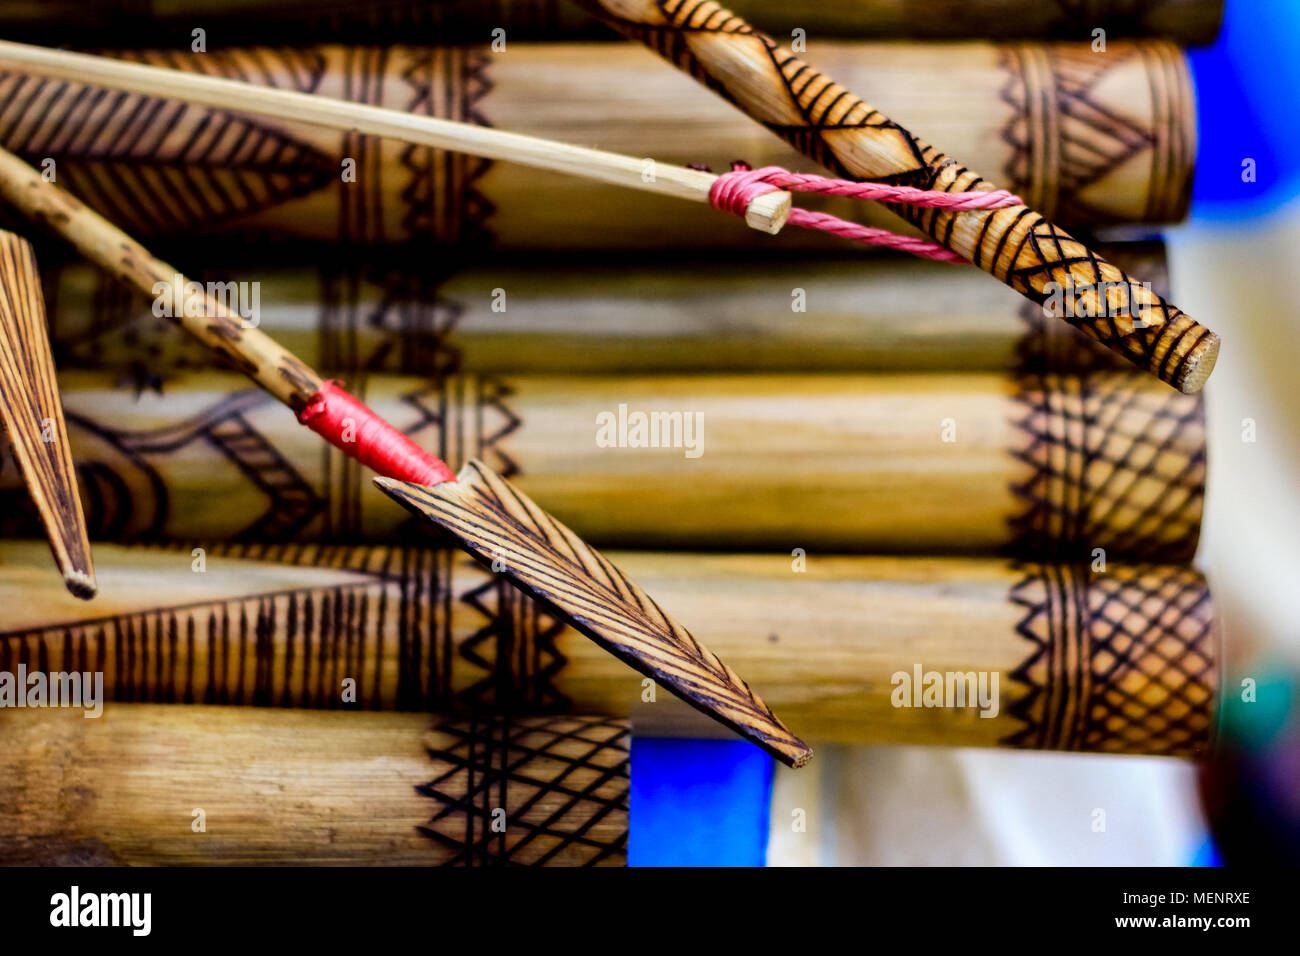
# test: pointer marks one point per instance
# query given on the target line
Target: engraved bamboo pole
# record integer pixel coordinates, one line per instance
(159, 785)
(1085, 137)
(854, 140)
(548, 560)
(615, 315)
(290, 21)
(899, 462)
(765, 213)
(1123, 659)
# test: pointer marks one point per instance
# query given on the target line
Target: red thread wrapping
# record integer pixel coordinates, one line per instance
(350, 425)
(734, 191)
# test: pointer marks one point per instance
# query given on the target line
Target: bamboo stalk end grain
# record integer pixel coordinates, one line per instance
(1199, 365)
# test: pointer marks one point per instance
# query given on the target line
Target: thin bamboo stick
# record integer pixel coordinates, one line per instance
(154, 785)
(32, 415)
(766, 213)
(1036, 465)
(615, 315)
(854, 140)
(1084, 137)
(1123, 659)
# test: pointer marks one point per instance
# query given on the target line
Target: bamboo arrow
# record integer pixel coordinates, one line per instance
(837, 129)
(546, 563)
(819, 117)
(505, 530)
(33, 414)
(767, 213)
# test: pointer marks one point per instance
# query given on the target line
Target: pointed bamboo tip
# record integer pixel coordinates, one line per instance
(1197, 368)
(81, 584)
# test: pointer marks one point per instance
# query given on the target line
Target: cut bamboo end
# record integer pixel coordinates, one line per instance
(769, 212)
(1197, 368)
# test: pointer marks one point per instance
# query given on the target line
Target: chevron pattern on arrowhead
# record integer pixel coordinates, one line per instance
(32, 413)
(502, 527)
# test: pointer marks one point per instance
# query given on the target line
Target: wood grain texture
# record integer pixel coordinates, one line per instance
(854, 140)
(32, 413)
(1122, 660)
(528, 314)
(292, 21)
(309, 788)
(1096, 137)
(503, 528)
(1037, 465)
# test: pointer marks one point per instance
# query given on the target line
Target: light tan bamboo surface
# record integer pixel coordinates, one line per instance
(519, 315)
(1035, 464)
(1120, 660)
(1088, 137)
(298, 788)
(290, 21)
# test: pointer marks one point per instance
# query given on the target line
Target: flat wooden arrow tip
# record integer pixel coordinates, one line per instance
(32, 413)
(505, 530)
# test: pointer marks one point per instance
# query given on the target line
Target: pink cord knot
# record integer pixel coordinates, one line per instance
(733, 192)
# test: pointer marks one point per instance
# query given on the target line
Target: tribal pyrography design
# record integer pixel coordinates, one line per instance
(1112, 464)
(1067, 138)
(156, 166)
(243, 440)
(418, 629)
(1122, 662)
(495, 807)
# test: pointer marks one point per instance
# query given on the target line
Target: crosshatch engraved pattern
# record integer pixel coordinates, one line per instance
(1124, 662)
(529, 792)
(1113, 465)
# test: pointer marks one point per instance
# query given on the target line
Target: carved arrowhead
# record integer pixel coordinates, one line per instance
(33, 414)
(503, 528)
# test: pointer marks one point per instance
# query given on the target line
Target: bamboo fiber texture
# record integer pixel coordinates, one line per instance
(1036, 465)
(530, 314)
(156, 785)
(1120, 660)
(1083, 136)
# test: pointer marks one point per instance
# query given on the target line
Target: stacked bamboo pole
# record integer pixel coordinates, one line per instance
(1085, 137)
(913, 409)
(1119, 660)
(1029, 464)
(615, 315)
(152, 785)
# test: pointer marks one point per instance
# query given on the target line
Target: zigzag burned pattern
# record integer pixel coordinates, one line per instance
(1121, 662)
(502, 527)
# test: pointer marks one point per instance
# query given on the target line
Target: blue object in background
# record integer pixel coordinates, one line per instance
(698, 803)
(706, 802)
(1247, 90)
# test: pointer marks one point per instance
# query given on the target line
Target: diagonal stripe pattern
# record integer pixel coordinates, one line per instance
(502, 527)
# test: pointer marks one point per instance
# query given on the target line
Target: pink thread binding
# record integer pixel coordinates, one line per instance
(734, 191)
(350, 425)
